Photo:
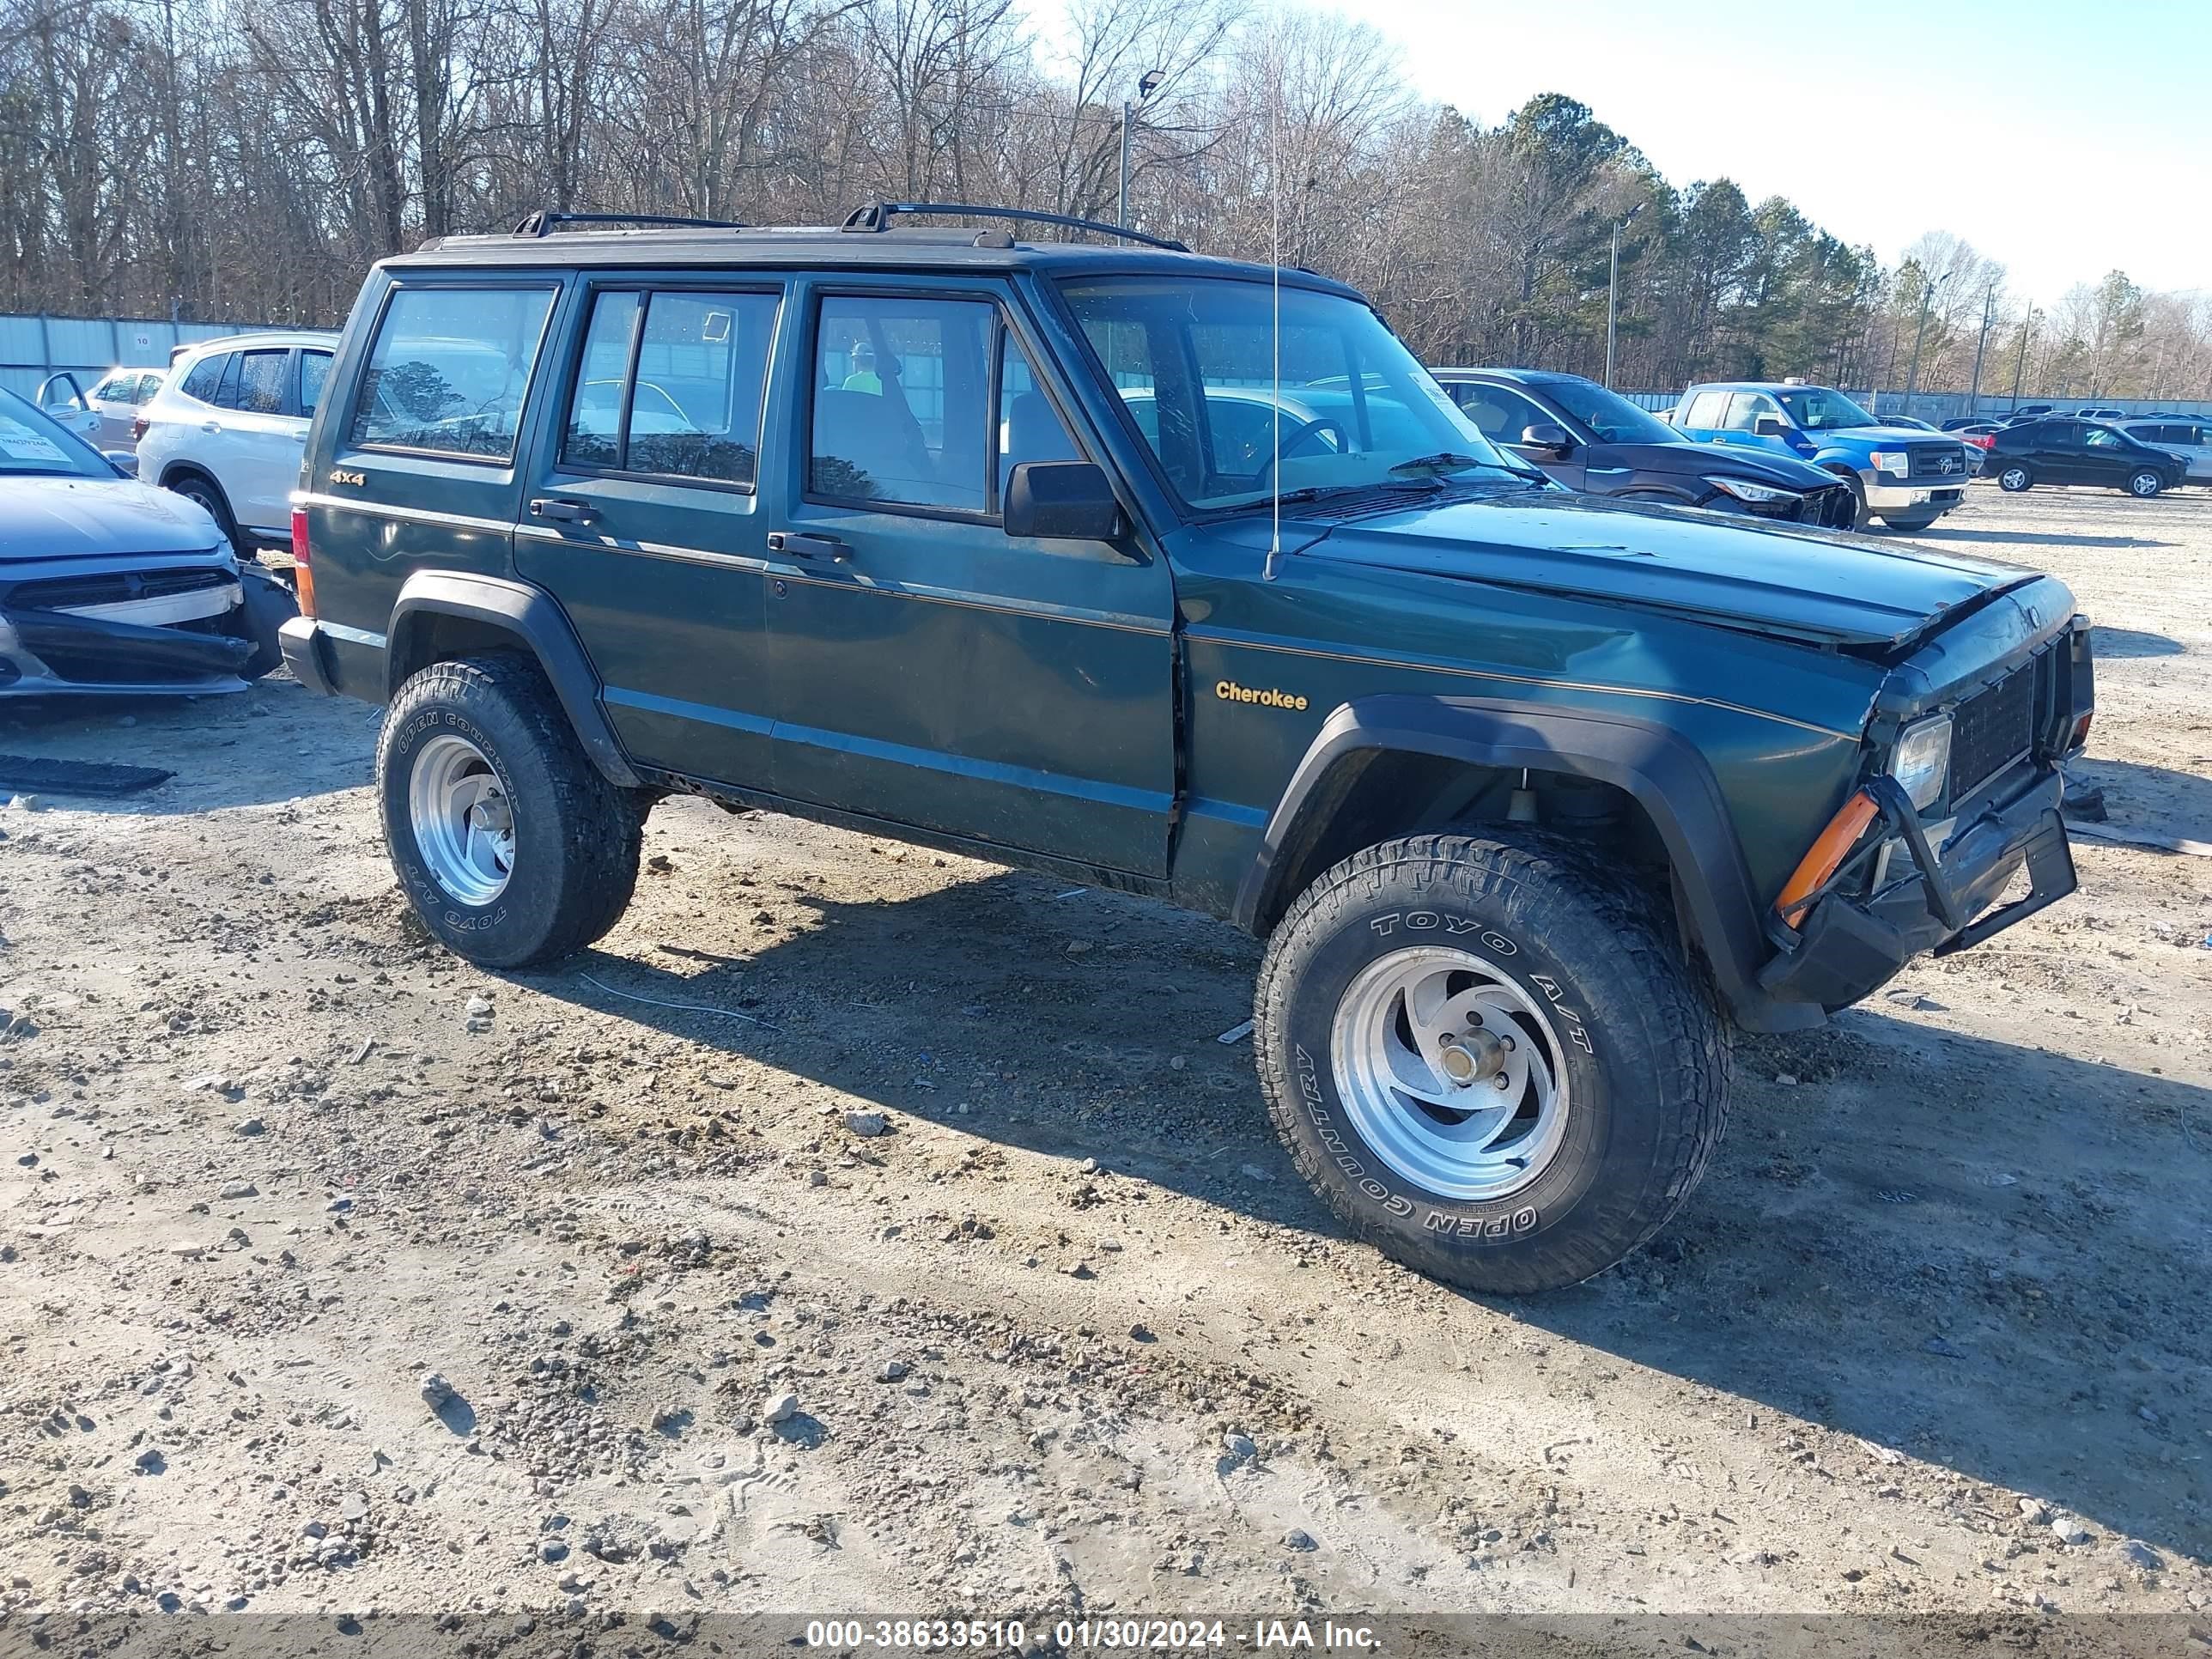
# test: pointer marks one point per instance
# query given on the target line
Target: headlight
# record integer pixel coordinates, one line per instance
(1923, 756)
(1744, 490)
(1895, 462)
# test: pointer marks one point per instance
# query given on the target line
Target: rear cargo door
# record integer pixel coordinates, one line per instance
(423, 469)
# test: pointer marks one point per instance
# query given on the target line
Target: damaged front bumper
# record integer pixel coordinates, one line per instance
(1924, 898)
(48, 651)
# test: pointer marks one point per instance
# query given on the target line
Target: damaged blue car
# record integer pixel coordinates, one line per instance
(110, 585)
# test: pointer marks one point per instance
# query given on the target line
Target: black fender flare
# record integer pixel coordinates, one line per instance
(539, 626)
(1663, 772)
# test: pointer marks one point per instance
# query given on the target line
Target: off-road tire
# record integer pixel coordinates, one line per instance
(2014, 477)
(577, 836)
(1646, 1051)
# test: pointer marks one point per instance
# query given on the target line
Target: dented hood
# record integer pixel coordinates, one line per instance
(1829, 587)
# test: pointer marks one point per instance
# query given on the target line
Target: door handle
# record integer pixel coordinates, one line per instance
(801, 545)
(564, 512)
(210, 426)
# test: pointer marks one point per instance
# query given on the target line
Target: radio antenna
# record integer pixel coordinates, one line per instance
(1275, 271)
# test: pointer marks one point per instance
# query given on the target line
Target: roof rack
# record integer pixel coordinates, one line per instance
(542, 222)
(877, 215)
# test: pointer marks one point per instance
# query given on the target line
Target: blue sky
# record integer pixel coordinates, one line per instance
(2063, 137)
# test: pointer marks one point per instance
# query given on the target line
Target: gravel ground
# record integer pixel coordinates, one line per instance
(859, 1229)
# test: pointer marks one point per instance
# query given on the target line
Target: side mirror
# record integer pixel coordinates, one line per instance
(1769, 426)
(1068, 501)
(1552, 439)
(123, 461)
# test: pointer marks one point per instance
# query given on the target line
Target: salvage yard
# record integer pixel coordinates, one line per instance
(861, 1229)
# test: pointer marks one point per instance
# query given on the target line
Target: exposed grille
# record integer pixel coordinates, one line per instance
(1991, 729)
(61, 593)
(1941, 461)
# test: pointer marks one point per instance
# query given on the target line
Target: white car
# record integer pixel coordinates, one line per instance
(117, 399)
(228, 427)
(2189, 438)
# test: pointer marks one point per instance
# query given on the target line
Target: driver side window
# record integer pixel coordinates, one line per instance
(1502, 416)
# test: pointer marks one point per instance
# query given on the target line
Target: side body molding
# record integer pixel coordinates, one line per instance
(538, 624)
(1660, 769)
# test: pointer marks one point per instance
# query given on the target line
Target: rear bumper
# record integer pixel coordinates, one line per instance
(1927, 897)
(340, 662)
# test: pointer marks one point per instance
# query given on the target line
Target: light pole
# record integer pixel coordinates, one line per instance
(2019, 363)
(1974, 387)
(1912, 374)
(1147, 85)
(1612, 291)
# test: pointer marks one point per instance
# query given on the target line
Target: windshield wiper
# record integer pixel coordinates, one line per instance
(1452, 460)
(1304, 492)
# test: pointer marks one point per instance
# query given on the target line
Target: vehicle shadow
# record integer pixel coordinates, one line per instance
(275, 741)
(2132, 642)
(2158, 799)
(1910, 1237)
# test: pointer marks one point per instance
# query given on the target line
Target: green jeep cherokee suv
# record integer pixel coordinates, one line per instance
(1182, 577)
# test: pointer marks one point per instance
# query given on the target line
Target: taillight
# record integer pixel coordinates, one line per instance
(303, 577)
(138, 428)
(1982, 441)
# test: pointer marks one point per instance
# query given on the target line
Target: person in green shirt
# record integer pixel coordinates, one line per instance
(864, 377)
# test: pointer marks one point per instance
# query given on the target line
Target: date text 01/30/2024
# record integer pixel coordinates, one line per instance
(1142, 1635)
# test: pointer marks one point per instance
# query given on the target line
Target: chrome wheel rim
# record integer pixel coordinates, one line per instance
(462, 822)
(1450, 1071)
(2144, 483)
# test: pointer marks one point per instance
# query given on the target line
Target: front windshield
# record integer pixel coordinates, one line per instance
(1352, 407)
(1611, 418)
(1817, 409)
(32, 446)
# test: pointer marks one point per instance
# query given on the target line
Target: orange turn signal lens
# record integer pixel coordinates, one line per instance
(1834, 844)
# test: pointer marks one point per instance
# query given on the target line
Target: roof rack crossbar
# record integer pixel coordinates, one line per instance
(877, 215)
(542, 222)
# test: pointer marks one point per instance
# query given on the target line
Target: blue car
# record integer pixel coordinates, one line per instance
(110, 585)
(1907, 477)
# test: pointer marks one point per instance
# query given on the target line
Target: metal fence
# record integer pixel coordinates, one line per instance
(32, 347)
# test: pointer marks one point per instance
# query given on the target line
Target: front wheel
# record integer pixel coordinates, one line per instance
(511, 845)
(2145, 483)
(1488, 1057)
(2014, 478)
(1917, 521)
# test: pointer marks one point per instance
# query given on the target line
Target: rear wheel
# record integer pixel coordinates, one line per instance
(2014, 477)
(512, 847)
(198, 487)
(1487, 1057)
(2144, 484)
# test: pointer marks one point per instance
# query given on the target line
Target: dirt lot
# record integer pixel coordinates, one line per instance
(1941, 1300)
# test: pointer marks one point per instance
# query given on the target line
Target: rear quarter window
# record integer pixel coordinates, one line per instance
(206, 376)
(448, 370)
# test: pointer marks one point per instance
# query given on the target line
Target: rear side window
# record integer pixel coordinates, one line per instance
(679, 397)
(314, 374)
(448, 369)
(1708, 411)
(261, 382)
(205, 378)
